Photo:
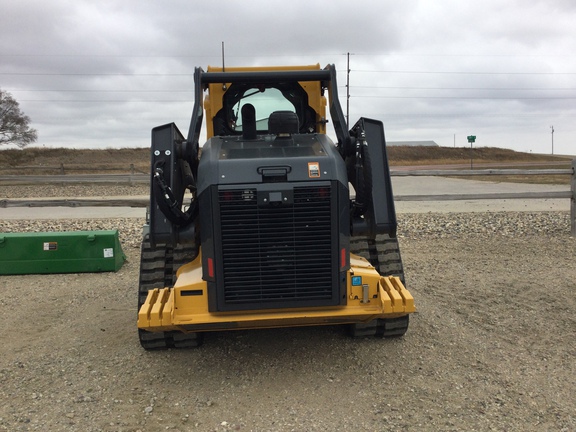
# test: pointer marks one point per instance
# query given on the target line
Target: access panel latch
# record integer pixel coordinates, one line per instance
(274, 174)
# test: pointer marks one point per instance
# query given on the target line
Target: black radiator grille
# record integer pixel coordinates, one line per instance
(277, 254)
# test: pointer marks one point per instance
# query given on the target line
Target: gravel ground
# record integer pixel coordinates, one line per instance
(491, 348)
(73, 190)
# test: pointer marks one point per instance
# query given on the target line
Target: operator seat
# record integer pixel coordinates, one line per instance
(283, 124)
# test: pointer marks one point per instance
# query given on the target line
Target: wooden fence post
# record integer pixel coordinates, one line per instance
(573, 200)
(131, 181)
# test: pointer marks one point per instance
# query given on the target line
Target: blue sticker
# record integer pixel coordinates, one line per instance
(356, 280)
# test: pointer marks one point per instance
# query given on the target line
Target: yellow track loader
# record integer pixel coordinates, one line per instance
(271, 223)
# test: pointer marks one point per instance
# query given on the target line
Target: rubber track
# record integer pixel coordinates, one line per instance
(384, 254)
(158, 267)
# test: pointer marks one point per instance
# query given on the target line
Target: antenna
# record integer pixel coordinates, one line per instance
(223, 66)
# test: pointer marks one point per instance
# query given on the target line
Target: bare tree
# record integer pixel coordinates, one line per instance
(14, 124)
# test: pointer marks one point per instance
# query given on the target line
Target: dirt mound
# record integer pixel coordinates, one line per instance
(409, 155)
(55, 160)
(140, 157)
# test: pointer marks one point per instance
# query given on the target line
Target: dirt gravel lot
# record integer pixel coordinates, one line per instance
(492, 347)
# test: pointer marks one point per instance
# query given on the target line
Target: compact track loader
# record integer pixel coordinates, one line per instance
(270, 223)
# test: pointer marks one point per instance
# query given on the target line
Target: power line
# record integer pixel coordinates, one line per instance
(352, 97)
(355, 70)
(107, 56)
(315, 55)
(463, 88)
(352, 87)
(466, 97)
(95, 74)
(108, 100)
(461, 72)
(102, 91)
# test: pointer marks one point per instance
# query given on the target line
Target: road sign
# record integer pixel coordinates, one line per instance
(471, 138)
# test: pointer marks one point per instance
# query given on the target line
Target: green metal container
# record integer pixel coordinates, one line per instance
(60, 252)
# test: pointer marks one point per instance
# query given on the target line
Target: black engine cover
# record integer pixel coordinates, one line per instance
(274, 222)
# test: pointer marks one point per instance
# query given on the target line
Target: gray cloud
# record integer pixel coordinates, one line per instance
(102, 74)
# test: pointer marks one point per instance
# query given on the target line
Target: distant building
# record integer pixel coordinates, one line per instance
(412, 143)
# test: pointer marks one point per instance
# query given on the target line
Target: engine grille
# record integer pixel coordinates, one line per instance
(277, 255)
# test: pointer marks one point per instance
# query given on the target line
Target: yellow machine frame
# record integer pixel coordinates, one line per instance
(213, 100)
(185, 306)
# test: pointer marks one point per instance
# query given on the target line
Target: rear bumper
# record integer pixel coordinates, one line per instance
(185, 306)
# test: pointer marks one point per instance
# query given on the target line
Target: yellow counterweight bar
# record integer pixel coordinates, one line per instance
(165, 310)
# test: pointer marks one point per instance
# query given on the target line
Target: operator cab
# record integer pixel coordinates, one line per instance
(234, 118)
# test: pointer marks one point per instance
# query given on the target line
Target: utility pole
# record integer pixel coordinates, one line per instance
(552, 127)
(348, 91)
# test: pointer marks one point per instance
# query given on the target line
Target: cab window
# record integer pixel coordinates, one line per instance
(266, 99)
(265, 103)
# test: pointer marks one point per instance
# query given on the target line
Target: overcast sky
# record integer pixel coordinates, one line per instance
(99, 74)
